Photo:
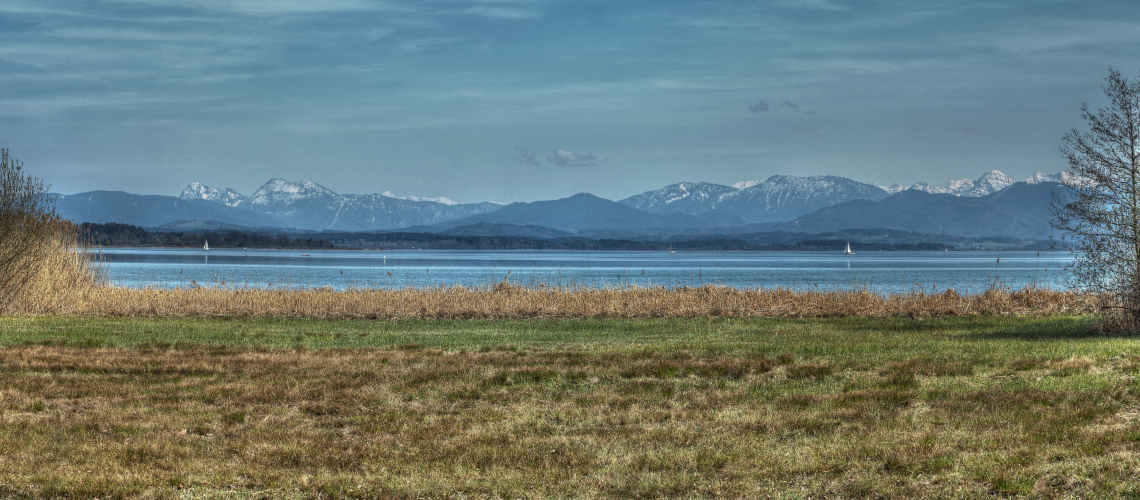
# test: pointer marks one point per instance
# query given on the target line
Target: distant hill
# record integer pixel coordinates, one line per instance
(1020, 210)
(153, 210)
(489, 229)
(579, 212)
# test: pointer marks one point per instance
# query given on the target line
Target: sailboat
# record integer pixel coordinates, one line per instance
(671, 248)
(848, 250)
(206, 246)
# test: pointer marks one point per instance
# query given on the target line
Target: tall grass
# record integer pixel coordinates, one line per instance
(67, 273)
(84, 297)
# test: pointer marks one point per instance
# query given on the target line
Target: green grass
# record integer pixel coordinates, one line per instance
(858, 337)
(240, 408)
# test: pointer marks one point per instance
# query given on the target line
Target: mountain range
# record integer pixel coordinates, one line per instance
(990, 182)
(994, 204)
(781, 197)
(308, 205)
(1020, 210)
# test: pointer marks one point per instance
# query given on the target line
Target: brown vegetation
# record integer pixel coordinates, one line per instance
(33, 238)
(510, 301)
(505, 422)
(61, 276)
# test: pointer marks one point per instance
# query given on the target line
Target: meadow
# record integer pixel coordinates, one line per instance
(192, 407)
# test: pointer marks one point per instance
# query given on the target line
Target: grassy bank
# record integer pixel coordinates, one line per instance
(244, 408)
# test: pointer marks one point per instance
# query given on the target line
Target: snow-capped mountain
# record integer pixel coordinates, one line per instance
(685, 197)
(785, 197)
(306, 204)
(438, 199)
(227, 196)
(780, 197)
(990, 182)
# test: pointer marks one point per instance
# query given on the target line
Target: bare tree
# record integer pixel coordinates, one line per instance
(28, 227)
(1099, 213)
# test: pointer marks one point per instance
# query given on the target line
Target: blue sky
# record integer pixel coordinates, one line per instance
(508, 100)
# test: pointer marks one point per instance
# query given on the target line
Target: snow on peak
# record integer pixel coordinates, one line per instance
(745, 184)
(990, 182)
(960, 184)
(893, 188)
(922, 186)
(438, 199)
(1038, 177)
(199, 191)
(279, 190)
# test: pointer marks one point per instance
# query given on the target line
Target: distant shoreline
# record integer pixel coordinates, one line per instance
(862, 240)
(358, 249)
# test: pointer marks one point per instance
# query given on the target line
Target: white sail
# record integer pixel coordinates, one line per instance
(206, 246)
(848, 250)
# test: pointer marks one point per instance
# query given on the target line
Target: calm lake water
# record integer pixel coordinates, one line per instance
(882, 271)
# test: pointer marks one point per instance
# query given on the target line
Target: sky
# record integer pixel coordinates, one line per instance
(522, 100)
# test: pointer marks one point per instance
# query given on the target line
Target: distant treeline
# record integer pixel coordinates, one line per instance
(433, 241)
(114, 234)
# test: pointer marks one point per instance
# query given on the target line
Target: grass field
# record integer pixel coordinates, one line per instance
(691, 407)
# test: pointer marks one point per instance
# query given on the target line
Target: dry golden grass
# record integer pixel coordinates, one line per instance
(507, 301)
(598, 421)
(64, 276)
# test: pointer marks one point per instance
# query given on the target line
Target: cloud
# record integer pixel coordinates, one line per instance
(790, 105)
(564, 158)
(973, 129)
(273, 7)
(508, 13)
(418, 45)
(816, 131)
(759, 107)
(809, 112)
(527, 157)
(811, 4)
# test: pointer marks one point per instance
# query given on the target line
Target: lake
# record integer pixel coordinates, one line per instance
(967, 271)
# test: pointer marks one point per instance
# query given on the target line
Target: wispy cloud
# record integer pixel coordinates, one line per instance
(120, 101)
(759, 107)
(812, 4)
(565, 158)
(271, 7)
(418, 45)
(509, 13)
(790, 105)
(527, 157)
(816, 131)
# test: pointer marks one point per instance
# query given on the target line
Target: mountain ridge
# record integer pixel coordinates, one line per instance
(306, 204)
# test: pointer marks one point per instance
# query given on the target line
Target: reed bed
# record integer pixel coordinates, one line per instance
(514, 301)
(68, 273)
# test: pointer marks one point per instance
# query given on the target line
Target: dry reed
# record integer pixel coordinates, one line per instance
(512, 301)
(67, 274)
